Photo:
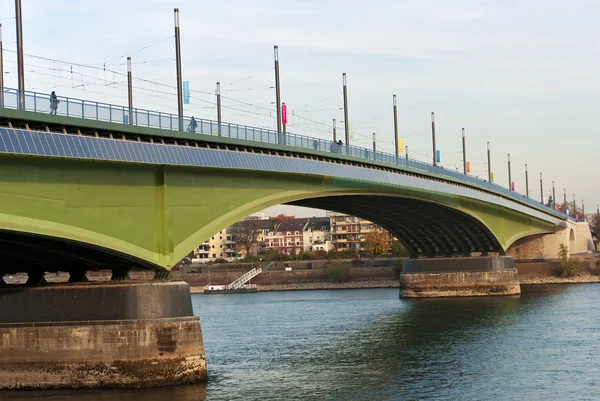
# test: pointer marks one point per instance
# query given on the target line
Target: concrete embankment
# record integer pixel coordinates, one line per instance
(367, 277)
(320, 286)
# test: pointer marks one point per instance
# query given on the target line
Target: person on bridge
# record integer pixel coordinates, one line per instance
(193, 125)
(53, 103)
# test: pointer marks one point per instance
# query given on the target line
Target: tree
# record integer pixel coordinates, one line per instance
(377, 242)
(398, 249)
(573, 208)
(245, 234)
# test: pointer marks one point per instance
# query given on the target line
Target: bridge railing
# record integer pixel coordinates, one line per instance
(80, 108)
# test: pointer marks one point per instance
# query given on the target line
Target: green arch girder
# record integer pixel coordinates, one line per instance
(160, 213)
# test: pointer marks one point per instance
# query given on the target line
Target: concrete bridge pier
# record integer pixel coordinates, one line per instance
(459, 277)
(109, 334)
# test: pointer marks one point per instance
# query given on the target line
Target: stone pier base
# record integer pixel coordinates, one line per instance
(99, 335)
(459, 277)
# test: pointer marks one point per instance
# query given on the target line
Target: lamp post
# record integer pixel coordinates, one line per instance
(526, 182)
(334, 132)
(130, 90)
(218, 94)
(277, 91)
(20, 61)
(178, 66)
(541, 189)
(433, 137)
(346, 123)
(510, 188)
(489, 163)
(1, 72)
(395, 128)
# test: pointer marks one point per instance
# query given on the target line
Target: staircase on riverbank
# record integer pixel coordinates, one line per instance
(243, 279)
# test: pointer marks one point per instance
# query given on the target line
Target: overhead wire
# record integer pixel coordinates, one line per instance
(138, 50)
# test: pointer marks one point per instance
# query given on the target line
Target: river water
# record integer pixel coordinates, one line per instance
(371, 345)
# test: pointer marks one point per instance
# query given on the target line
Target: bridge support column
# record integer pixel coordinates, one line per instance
(99, 335)
(459, 277)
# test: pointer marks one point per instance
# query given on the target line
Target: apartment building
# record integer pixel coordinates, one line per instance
(219, 246)
(283, 234)
(316, 235)
(348, 232)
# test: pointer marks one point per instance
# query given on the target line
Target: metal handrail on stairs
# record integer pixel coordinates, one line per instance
(244, 278)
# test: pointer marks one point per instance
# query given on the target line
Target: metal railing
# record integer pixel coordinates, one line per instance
(243, 279)
(91, 110)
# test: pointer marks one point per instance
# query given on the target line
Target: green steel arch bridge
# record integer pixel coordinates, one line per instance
(100, 186)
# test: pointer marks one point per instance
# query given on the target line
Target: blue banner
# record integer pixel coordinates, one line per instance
(437, 156)
(186, 92)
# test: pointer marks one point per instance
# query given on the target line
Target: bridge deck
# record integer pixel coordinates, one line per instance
(88, 117)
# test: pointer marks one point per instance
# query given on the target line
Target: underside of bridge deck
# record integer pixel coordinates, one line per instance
(35, 254)
(424, 228)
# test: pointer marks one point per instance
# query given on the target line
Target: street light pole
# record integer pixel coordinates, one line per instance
(541, 189)
(509, 175)
(374, 145)
(277, 91)
(218, 93)
(553, 196)
(20, 61)
(395, 127)
(489, 163)
(346, 124)
(526, 182)
(334, 132)
(433, 137)
(130, 90)
(565, 206)
(464, 152)
(178, 64)
(1, 72)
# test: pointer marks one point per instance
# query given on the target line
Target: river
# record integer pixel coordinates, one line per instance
(371, 345)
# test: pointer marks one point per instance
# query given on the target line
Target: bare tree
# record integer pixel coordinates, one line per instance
(245, 234)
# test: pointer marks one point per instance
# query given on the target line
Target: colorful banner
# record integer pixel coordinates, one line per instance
(468, 167)
(284, 113)
(512, 186)
(400, 147)
(437, 156)
(492, 177)
(186, 92)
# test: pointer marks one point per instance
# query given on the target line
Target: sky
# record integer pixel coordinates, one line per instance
(521, 74)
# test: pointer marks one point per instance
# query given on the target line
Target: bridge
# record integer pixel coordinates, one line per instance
(83, 190)
(99, 186)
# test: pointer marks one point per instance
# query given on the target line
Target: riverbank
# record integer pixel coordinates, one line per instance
(559, 280)
(371, 277)
(319, 286)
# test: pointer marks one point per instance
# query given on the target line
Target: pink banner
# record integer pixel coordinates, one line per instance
(284, 113)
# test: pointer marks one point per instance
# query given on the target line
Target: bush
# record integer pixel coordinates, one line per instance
(567, 267)
(339, 273)
(220, 260)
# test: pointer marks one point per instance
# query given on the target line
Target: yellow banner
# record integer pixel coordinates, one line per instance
(400, 147)
(492, 177)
